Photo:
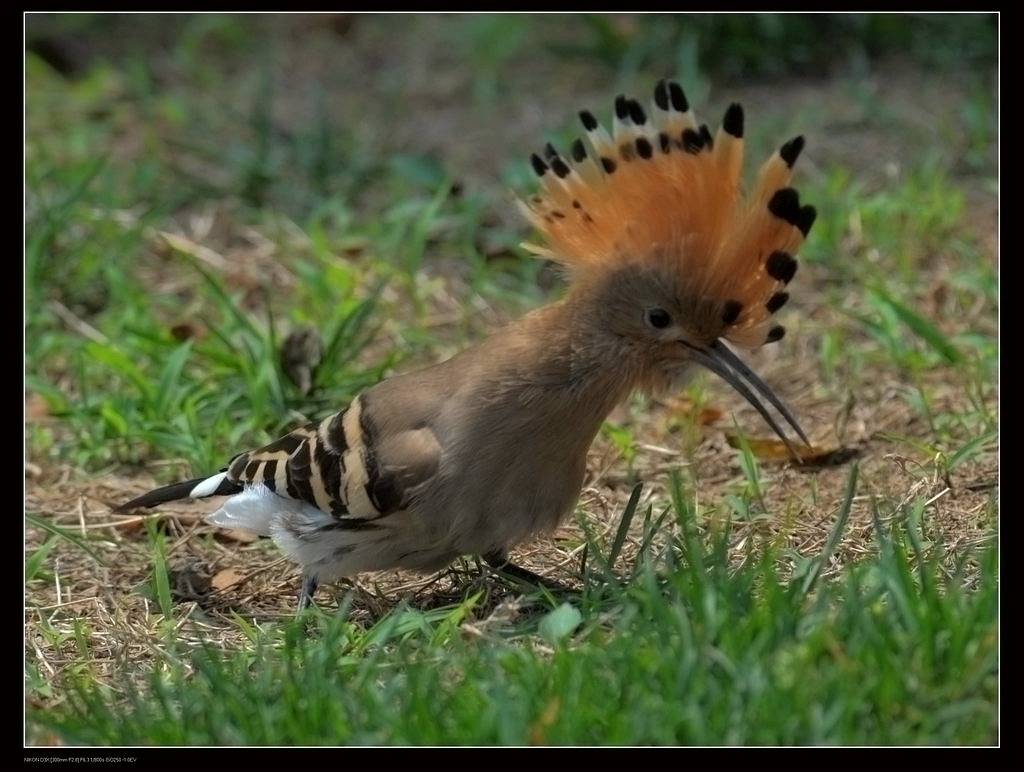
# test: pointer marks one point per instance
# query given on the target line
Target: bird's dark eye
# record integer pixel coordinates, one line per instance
(658, 318)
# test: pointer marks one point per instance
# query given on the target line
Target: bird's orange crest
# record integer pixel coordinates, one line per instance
(661, 192)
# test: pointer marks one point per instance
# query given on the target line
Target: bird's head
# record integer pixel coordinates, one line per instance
(664, 251)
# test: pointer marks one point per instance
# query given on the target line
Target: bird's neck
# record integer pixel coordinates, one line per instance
(582, 374)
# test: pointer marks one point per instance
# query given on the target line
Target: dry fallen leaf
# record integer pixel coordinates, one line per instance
(238, 535)
(686, 408)
(772, 449)
(224, 579)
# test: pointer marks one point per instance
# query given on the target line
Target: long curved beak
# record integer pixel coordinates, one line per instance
(723, 362)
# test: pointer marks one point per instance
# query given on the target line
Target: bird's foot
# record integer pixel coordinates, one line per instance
(309, 585)
(503, 566)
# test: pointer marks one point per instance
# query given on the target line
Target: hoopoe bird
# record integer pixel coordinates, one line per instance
(668, 262)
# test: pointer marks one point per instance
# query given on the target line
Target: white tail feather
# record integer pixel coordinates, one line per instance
(294, 526)
(254, 509)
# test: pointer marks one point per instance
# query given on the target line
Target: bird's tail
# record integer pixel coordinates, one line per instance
(199, 488)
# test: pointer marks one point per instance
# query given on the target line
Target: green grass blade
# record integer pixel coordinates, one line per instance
(71, 536)
(921, 325)
(835, 534)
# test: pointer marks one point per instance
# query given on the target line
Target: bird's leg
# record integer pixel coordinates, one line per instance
(501, 564)
(309, 585)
